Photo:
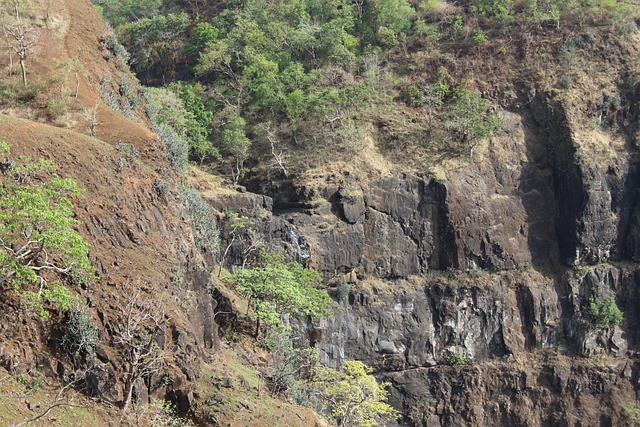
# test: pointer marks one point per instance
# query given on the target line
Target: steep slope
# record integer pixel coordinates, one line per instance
(137, 216)
(464, 274)
(494, 260)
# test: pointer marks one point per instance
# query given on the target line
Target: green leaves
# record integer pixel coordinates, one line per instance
(353, 396)
(395, 15)
(277, 288)
(38, 240)
(235, 141)
(469, 116)
(605, 314)
(183, 121)
(155, 43)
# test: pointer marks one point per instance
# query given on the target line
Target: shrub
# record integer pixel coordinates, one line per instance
(180, 126)
(353, 396)
(129, 91)
(469, 116)
(177, 146)
(395, 15)
(387, 37)
(344, 290)
(160, 413)
(565, 81)
(457, 25)
(412, 95)
(479, 37)
(631, 410)
(605, 314)
(127, 153)
(162, 189)
(113, 49)
(81, 332)
(156, 43)
(498, 9)
(276, 288)
(204, 220)
(457, 359)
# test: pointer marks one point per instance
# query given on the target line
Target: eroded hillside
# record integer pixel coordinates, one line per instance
(464, 180)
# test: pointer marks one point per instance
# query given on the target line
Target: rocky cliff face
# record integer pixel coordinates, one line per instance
(496, 262)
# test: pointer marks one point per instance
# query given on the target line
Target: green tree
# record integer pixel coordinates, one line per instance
(203, 34)
(119, 12)
(155, 44)
(39, 246)
(192, 96)
(235, 141)
(605, 314)
(352, 395)
(470, 117)
(167, 110)
(276, 288)
(395, 15)
(498, 9)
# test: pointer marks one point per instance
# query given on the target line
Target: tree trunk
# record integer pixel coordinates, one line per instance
(128, 394)
(24, 72)
(77, 85)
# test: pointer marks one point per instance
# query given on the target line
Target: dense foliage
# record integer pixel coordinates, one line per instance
(276, 289)
(352, 395)
(280, 79)
(38, 242)
(605, 314)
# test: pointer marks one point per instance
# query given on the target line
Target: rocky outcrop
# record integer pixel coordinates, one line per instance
(406, 325)
(547, 390)
(497, 263)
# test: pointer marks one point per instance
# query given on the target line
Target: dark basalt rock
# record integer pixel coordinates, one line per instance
(533, 229)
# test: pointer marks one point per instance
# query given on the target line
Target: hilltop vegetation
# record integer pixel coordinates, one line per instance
(279, 85)
(119, 284)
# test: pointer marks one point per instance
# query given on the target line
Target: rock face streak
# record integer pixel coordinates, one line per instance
(496, 262)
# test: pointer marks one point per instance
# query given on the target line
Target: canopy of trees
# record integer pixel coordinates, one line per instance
(38, 242)
(276, 288)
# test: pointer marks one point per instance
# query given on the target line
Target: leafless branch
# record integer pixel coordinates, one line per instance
(273, 140)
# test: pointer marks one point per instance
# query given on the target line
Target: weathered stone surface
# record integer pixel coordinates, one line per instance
(506, 394)
(533, 228)
(415, 324)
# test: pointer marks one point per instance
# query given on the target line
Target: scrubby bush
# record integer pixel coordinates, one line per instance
(605, 314)
(160, 413)
(412, 95)
(186, 131)
(457, 359)
(479, 37)
(113, 48)
(176, 145)
(469, 116)
(156, 44)
(39, 247)
(80, 332)
(498, 9)
(276, 288)
(204, 220)
(353, 396)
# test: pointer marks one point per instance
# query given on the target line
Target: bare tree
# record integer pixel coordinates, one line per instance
(273, 140)
(141, 321)
(22, 38)
(60, 401)
(91, 116)
(243, 230)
